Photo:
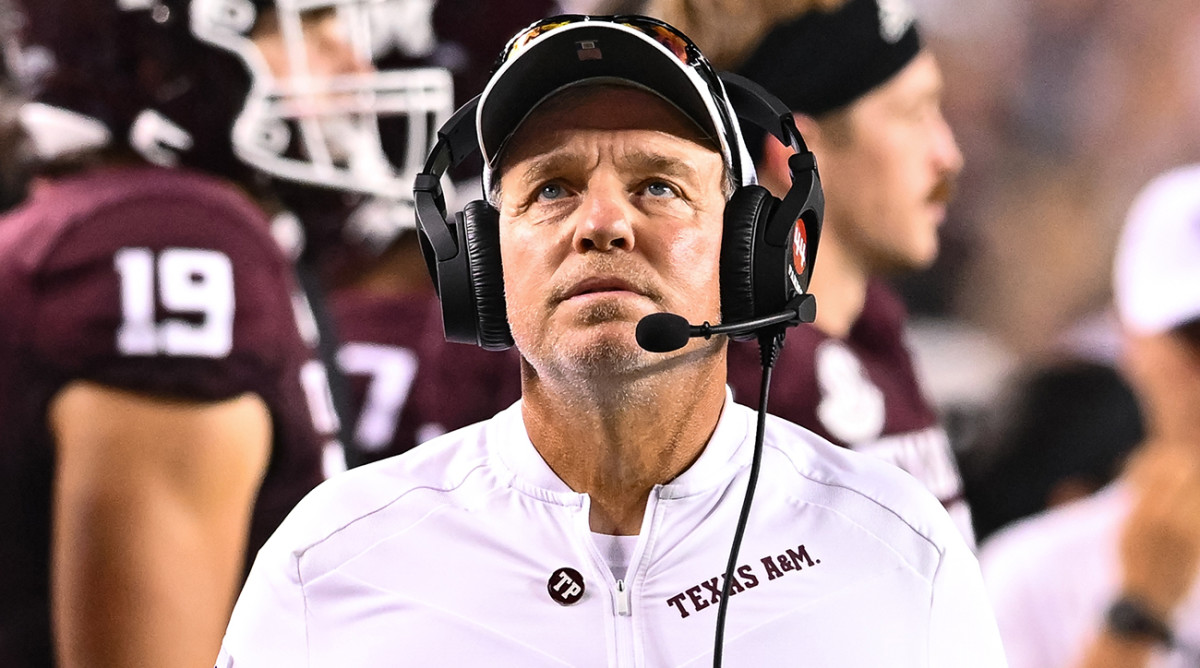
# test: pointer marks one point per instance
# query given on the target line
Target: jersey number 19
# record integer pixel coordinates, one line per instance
(194, 286)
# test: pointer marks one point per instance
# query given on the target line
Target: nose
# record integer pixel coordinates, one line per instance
(336, 55)
(947, 154)
(605, 220)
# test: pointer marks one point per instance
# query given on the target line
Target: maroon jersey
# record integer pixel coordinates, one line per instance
(860, 392)
(407, 383)
(151, 280)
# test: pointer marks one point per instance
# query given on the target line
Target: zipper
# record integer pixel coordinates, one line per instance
(623, 603)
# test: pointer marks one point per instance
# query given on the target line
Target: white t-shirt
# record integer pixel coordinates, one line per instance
(452, 555)
(617, 552)
(1052, 577)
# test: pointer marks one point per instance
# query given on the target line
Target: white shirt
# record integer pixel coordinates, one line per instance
(1053, 576)
(443, 556)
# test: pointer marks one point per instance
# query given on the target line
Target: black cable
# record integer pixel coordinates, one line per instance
(309, 278)
(769, 344)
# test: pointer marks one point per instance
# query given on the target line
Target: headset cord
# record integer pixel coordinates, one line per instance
(308, 276)
(769, 344)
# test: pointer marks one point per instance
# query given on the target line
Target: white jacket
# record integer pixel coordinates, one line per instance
(1052, 577)
(444, 556)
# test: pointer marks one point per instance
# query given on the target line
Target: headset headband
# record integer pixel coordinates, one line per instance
(458, 139)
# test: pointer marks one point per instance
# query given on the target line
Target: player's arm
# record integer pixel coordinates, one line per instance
(269, 624)
(152, 507)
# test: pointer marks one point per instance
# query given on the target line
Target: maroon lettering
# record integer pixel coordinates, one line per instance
(748, 575)
(677, 602)
(711, 586)
(709, 592)
(796, 557)
(735, 587)
(785, 564)
(772, 570)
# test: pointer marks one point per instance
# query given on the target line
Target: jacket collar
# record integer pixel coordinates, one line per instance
(720, 460)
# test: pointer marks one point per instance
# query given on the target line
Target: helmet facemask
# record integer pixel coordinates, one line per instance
(322, 108)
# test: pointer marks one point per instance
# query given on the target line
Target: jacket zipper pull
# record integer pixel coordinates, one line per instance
(623, 603)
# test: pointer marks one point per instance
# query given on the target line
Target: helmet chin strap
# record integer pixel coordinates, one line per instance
(57, 133)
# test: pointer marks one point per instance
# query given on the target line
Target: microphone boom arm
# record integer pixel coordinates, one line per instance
(801, 309)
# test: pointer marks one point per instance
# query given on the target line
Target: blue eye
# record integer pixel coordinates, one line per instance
(660, 189)
(551, 191)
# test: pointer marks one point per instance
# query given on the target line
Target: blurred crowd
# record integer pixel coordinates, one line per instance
(1064, 109)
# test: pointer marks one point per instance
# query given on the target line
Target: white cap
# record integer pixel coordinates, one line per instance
(1156, 277)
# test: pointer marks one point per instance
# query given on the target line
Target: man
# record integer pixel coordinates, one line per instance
(588, 524)
(160, 410)
(1110, 580)
(866, 95)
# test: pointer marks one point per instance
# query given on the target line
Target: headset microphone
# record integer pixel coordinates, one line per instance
(665, 332)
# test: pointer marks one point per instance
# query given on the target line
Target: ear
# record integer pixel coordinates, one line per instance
(773, 171)
(809, 129)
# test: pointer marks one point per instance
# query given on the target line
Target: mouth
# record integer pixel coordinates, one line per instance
(942, 193)
(599, 286)
(938, 210)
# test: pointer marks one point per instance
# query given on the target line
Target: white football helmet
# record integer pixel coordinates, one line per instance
(321, 109)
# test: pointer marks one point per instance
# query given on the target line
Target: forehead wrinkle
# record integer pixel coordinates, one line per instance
(554, 163)
(648, 162)
(635, 160)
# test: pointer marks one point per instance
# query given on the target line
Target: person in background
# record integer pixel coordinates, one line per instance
(405, 382)
(162, 402)
(867, 97)
(588, 524)
(1110, 580)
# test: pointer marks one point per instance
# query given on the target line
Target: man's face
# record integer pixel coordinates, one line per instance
(317, 66)
(326, 51)
(610, 209)
(1165, 370)
(888, 179)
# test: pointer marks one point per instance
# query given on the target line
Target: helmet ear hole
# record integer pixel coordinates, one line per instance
(275, 136)
(233, 16)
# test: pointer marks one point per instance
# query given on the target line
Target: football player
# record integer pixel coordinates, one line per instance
(162, 406)
(406, 383)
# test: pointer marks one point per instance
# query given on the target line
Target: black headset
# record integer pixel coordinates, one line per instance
(768, 247)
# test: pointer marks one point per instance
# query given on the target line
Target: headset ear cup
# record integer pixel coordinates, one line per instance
(481, 226)
(750, 207)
